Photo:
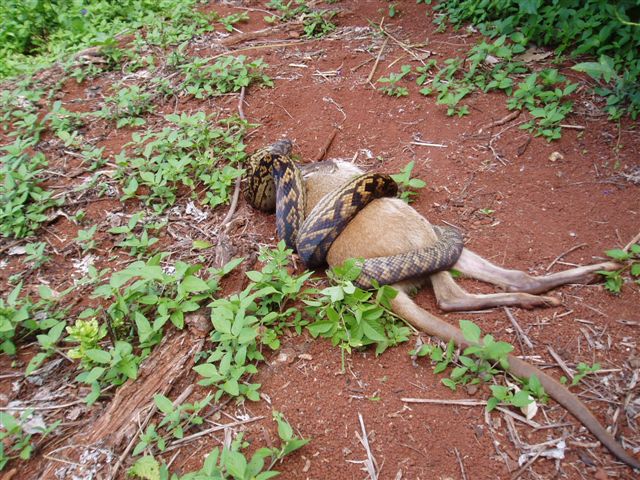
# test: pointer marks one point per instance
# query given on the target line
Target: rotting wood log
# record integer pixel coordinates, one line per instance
(114, 429)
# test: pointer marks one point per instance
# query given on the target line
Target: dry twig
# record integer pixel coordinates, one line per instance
(375, 65)
(555, 260)
(464, 475)
(370, 463)
(521, 335)
(325, 148)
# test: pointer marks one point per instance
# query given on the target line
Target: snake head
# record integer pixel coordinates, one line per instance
(281, 148)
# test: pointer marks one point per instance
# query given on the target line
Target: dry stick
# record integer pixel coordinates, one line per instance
(438, 401)
(521, 335)
(402, 45)
(180, 443)
(46, 407)
(248, 36)
(512, 116)
(260, 47)
(632, 242)
(181, 398)
(326, 146)
(236, 191)
(375, 65)
(560, 362)
(525, 466)
(555, 260)
(364, 440)
(464, 475)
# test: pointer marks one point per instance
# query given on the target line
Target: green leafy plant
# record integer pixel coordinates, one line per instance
(17, 102)
(111, 367)
(24, 202)
(286, 10)
(136, 304)
(87, 334)
(407, 184)
(619, 88)
(603, 30)
(62, 120)
(85, 238)
(35, 254)
(480, 362)
(614, 280)
(229, 463)
(15, 439)
(227, 74)
(542, 96)
(127, 106)
(177, 420)
(391, 86)
(36, 34)
(244, 321)
(351, 317)
(583, 370)
(191, 151)
(21, 317)
(317, 23)
(230, 20)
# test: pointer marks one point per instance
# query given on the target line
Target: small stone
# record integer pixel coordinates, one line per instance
(634, 362)
(556, 156)
(471, 389)
(286, 355)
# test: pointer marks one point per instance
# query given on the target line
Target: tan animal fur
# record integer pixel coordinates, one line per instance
(389, 226)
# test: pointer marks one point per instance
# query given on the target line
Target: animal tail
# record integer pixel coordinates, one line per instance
(406, 308)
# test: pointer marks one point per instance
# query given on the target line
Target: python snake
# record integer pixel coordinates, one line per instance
(274, 182)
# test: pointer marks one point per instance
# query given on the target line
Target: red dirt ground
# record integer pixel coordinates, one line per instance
(541, 207)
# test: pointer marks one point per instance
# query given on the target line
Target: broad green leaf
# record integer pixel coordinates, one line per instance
(98, 356)
(470, 331)
(194, 284)
(231, 387)
(163, 403)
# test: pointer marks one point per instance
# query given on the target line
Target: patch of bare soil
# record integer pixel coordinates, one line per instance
(519, 203)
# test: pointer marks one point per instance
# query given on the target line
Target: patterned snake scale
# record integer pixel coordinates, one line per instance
(274, 182)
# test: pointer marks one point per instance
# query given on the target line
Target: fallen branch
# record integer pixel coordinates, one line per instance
(321, 154)
(512, 116)
(248, 36)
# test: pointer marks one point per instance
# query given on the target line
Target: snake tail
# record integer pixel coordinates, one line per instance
(395, 268)
(334, 212)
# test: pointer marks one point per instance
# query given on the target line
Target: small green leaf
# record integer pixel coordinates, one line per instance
(201, 244)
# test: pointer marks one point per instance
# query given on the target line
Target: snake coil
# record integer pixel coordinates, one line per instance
(274, 182)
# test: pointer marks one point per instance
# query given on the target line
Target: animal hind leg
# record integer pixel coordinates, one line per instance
(473, 265)
(452, 297)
